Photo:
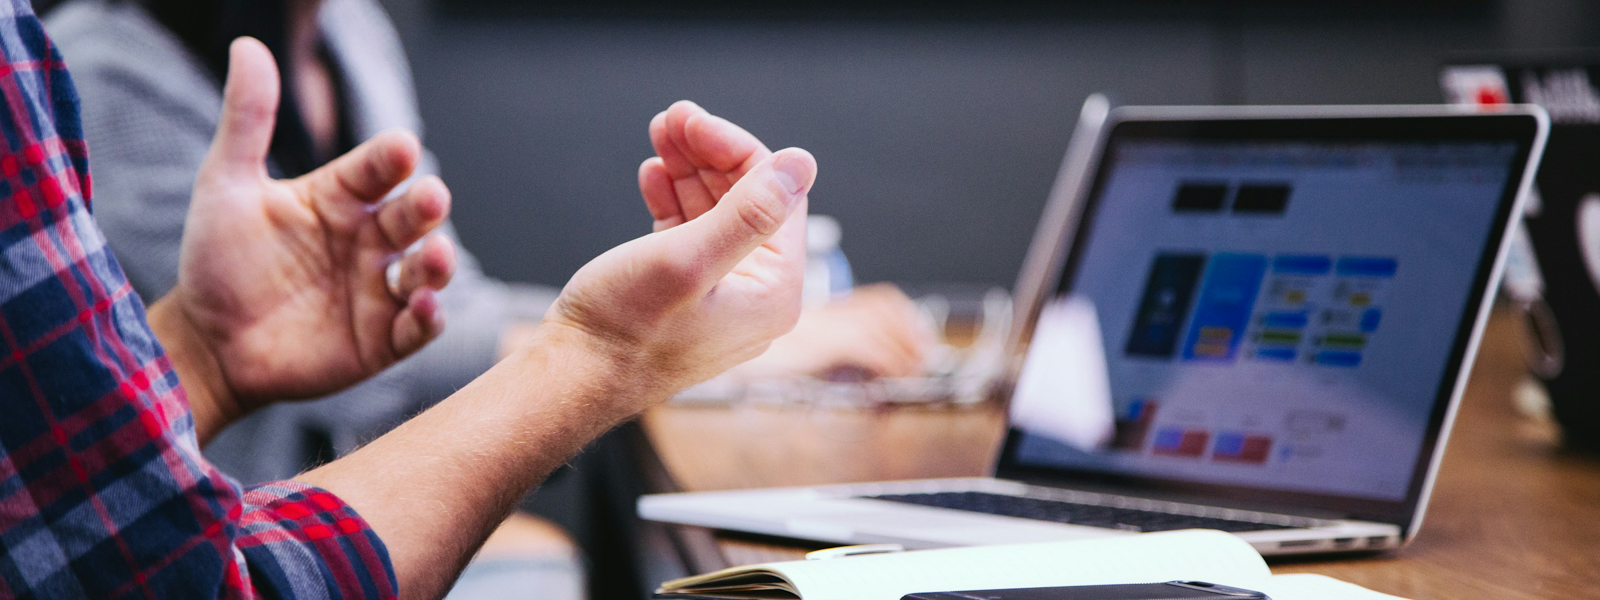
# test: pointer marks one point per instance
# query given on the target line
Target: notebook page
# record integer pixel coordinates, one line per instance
(1309, 587)
(1202, 555)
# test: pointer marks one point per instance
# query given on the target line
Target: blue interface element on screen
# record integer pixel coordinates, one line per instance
(1297, 307)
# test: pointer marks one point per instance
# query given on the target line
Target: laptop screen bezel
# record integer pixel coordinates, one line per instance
(1520, 127)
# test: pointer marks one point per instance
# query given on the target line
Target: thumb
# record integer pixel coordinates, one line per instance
(750, 214)
(249, 111)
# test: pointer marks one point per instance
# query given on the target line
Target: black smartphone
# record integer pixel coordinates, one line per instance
(1171, 590)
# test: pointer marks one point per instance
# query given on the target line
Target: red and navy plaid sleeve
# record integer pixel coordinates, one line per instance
(103, 491)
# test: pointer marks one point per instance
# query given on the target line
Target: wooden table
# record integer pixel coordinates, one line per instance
(1512, 516)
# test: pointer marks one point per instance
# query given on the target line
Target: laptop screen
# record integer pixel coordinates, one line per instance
(1279, 316)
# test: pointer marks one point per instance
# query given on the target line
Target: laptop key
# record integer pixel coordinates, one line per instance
(1040, 509)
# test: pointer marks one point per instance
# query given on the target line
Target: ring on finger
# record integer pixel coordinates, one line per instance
(391, 278)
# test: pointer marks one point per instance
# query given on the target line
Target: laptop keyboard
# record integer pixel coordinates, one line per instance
(1092, 515)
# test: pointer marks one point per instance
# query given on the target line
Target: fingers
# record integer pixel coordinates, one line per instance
(430, 266)
(655, 184)
(900, 354)
(689, 139)
(885, 359)
(875, 353)
(878, 330)
(752, 213)
(420, 210)
(666, 135)
(724, 152)
(418, 323)
(249, 111)
(422, 274)
(703, 155)
(362, 176)
(899, 316)
(720, 145)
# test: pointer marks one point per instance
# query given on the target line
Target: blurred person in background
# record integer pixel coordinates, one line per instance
(150, 74)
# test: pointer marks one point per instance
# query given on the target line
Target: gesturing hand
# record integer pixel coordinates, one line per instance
(282, 283)
(699, 157)
(720, 278)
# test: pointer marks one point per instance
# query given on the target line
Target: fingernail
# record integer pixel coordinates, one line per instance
(429, 298)
(793, 173)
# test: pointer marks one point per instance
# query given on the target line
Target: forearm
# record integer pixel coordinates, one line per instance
(209, 396)
(436, 486)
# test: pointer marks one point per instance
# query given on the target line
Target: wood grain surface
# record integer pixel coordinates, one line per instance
(1512, 516)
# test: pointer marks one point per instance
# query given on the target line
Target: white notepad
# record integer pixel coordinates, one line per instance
(1194, 555)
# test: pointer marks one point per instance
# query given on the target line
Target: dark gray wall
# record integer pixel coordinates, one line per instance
(937, 138)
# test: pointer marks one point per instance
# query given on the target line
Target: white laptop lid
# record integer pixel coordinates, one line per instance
(1287, 300)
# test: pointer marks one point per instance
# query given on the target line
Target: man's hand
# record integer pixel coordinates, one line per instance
(281, 288)
(709, 289)
(699, 157)
(876, 331)
(720, 278)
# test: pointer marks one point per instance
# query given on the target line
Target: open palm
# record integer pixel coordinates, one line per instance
(285, 280)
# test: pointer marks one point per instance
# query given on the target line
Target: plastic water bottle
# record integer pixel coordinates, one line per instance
(827, 270)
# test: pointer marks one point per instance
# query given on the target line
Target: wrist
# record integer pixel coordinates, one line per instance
(210, 397)
(515, 336)
(438, 483)
(610, 376)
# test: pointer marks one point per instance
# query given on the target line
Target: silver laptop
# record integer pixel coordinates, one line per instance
(1258, 320)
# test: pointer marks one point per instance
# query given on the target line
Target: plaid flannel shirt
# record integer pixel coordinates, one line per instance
(103, 491)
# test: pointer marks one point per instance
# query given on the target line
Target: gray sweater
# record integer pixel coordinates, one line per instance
(149, 111)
